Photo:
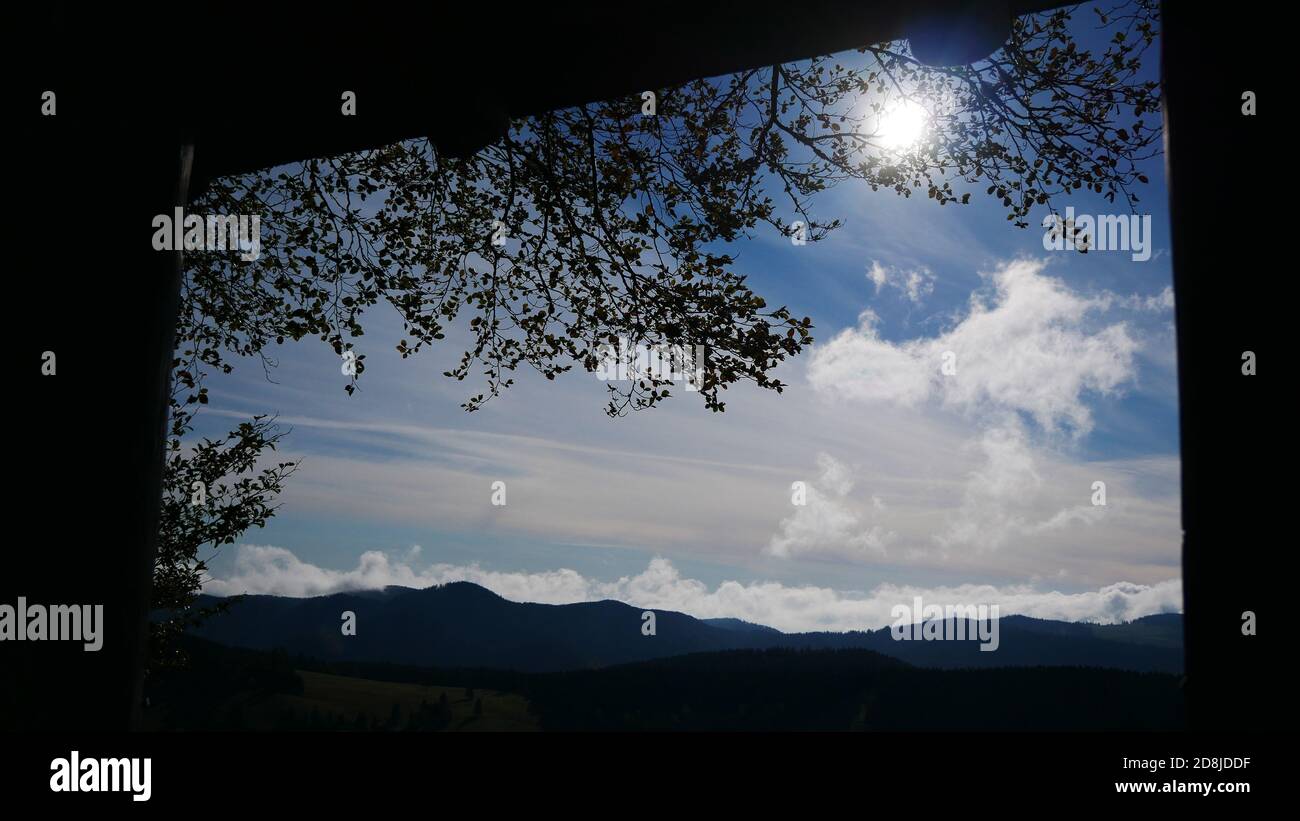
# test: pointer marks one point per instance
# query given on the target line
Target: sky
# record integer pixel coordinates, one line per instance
(974, 487)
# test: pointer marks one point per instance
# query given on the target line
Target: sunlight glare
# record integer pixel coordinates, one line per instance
(903, 126)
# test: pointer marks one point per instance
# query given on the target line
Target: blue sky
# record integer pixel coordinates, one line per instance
(974, 487)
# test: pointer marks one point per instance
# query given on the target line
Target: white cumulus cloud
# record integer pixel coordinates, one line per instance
(275, 570)
(827, 524)
(1033, 347)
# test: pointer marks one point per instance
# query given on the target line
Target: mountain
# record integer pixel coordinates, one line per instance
(464, 625)
(461, 625)
(738, 624)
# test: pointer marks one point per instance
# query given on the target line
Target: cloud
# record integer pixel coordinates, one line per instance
(686, 484)
(265, 569)
(889, 483)
(274, 570)
(1005, 497)
(1158, 303)
(915, 284)
(825, 524)
(1033, 348)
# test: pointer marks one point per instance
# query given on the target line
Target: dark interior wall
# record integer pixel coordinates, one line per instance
(261, 86)
(1226, 265)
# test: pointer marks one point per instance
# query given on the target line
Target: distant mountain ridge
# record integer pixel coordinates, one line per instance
(739, 624)
(464, 625)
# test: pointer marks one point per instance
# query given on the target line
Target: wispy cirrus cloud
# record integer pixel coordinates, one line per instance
(914, 283)
(900, 484)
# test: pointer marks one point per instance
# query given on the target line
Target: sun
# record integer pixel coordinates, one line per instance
(903, 126)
